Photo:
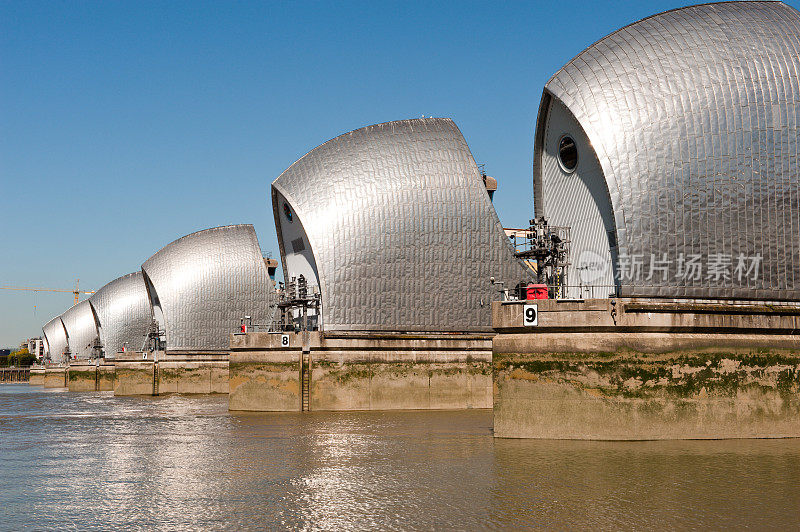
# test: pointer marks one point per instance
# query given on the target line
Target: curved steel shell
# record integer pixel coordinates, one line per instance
(81, 327)
(123, 312)
(206, 282)
(694, 117)
(56, 338)
(400, 226)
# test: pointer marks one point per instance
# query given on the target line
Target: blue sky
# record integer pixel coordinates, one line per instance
(125, 125)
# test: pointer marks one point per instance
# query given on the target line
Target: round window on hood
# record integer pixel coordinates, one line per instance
(567, 154)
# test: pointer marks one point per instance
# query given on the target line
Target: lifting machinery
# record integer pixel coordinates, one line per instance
(76, 291)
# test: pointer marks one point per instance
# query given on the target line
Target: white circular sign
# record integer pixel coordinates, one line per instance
(591, 266)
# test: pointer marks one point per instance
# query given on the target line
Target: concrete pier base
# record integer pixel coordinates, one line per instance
(134, 374)
(37, 376)
(638, 370)
(191, 375)
(90, 375)
(81, 376)
(55, 377)
(359, 371)
(106, 376)
(164, 373)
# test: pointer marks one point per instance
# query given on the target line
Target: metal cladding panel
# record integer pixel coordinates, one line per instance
(123, 311)
(81, 328)
(402, 230)
(694, 115)
(206, 282)
(56, 338)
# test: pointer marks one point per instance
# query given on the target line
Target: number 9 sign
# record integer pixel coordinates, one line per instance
(530, 315)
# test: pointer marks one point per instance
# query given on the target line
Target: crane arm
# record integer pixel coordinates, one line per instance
(76, 291)
(31, 289)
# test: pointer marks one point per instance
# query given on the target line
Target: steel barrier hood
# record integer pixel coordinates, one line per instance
(204, 283)
(123, 313)
(693, 115)
(56, 338)
(394, 224)
(81, 328)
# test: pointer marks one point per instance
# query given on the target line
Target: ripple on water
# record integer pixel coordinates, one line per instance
(95, 461)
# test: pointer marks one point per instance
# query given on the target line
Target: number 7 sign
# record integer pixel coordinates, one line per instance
(530, 315)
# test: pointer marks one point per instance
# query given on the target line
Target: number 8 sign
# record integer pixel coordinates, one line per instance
(284, 340)
(530, 315)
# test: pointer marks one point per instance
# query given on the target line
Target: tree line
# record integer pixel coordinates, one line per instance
(18, 358)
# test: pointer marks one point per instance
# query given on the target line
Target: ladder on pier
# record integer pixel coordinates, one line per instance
(155, 377)
(305, 382)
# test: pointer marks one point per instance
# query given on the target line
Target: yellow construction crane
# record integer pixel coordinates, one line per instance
(76, 292)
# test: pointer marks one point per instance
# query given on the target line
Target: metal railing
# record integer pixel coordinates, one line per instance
(519, 293)
(256, 327)
(567, 292)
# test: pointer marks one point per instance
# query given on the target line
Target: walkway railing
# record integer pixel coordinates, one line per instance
(567, 292)
(564, 292)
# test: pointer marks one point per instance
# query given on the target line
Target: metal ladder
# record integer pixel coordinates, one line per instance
(155, 376)
(305, 381)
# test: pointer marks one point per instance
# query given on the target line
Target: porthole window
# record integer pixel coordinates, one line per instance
(287, 212)
(567, 154)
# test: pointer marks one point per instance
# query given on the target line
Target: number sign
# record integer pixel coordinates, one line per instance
(530, 315)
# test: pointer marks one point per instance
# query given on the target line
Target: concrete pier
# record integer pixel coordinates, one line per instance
(359, 371)
(55, 377)
(134, 373)
(633, 370)
(37, 376)
(192, 374)
(164, 373)
(90, 375)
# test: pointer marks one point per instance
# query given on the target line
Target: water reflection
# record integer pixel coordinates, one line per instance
(93, 461)
(734, 483)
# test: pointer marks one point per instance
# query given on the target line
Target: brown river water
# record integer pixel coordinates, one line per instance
(92, 461)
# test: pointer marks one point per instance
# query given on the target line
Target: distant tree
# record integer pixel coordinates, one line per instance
(20, 358)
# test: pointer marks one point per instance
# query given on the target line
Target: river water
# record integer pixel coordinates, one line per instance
(94, 461)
